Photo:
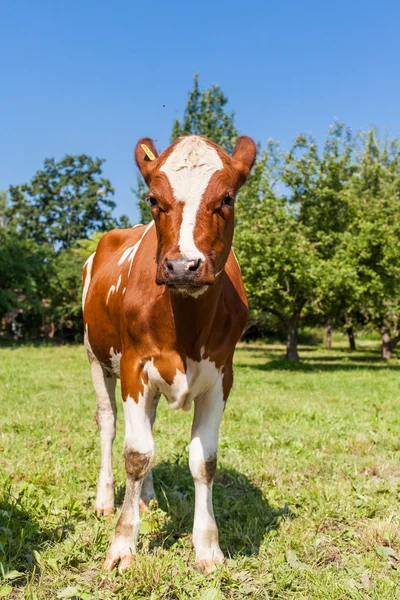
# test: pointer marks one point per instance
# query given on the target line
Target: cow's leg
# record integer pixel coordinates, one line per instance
(139, 454)
(104, 386)
(148, 493)
(203, 461)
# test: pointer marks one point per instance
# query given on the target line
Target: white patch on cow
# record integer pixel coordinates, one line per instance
(88, 278)
(137, 422)
(194, 292)
(189, 169)
(125, 254)
(86, 342)
(123, 291)
(200, 376)
(114, 288)
(130, 252)
(138, 438)
(115, 359)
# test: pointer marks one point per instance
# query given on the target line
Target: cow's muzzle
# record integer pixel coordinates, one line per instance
(181, 271)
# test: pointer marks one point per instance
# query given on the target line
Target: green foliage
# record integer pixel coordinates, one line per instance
(323, 242)
(3, 205)
(372, 241)
(23, 283)
(65, 293)
(65, 201)
(288, 233)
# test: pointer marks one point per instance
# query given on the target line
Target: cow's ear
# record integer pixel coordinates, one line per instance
(243, 157)
(146, 157)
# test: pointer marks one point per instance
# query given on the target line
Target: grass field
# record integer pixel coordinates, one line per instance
(306, 496)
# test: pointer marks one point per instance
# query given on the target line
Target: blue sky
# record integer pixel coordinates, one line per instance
(92, 76)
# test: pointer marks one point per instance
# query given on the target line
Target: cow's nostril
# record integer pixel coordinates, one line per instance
(169, 264)
(193, 265)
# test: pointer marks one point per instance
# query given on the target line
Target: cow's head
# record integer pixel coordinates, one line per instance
(192, 189)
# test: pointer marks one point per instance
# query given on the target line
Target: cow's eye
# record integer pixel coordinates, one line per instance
(228, 200)
(153, 201)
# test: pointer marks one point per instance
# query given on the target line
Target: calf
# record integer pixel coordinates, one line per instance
(164, 306)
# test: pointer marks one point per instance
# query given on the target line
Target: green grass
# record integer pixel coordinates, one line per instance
(306, 496)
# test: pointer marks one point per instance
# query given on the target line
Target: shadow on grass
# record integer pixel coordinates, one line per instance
(22, 532)
(327, 364)
(243, 515)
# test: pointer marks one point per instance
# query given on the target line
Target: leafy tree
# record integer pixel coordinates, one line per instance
(24, 270)
(65, 201)
(287, 235)
(316, 182)
(371, 244)
(278, 262)
(204, 114)
(3, 206)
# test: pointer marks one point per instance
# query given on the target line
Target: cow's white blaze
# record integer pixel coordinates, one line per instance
(189, 169)
(88, 277)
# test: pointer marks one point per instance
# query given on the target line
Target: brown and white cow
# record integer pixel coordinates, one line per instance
(164, 306)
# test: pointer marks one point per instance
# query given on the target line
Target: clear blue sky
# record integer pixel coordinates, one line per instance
(92, 76)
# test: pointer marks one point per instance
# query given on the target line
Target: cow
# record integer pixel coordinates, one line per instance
(164, 306)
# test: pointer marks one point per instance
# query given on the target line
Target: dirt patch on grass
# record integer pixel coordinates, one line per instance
(376, 533)
(383, 472)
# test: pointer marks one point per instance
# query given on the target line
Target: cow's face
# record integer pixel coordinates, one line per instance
(192, 188)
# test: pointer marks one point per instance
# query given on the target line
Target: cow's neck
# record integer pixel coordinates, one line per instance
(195, 318)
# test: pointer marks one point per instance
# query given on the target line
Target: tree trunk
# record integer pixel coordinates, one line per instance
(394, 341)
(386, 345)
(291, 345)
(352, 339)
(328, 339)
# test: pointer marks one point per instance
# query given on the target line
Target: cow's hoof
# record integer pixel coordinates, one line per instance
(125, 561)
(208, 565)
(105, 512)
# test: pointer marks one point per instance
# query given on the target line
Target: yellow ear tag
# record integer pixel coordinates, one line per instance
(148, 152)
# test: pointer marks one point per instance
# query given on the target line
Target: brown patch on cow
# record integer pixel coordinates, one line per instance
(168, 364)
(208, 469)
(137, 464)
(227, 380)
(133, 376)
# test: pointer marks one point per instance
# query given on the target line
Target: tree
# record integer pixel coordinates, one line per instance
(204, 114)
(65, 201)
(287, 235)
(24, 276)
(3, 206)
(372, 242)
